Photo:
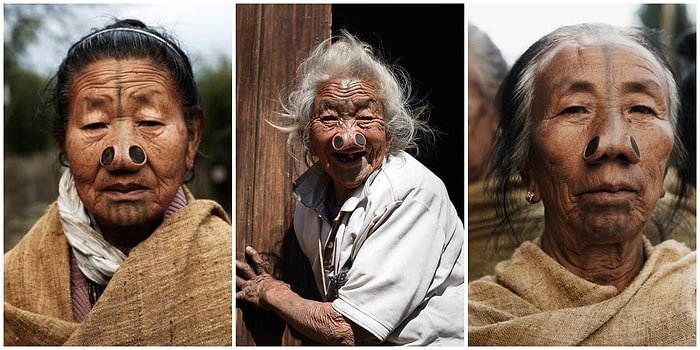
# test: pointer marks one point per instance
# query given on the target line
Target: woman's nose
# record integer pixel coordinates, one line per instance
(122, 157)
(343, 141)
(348, 138)
(612, 140)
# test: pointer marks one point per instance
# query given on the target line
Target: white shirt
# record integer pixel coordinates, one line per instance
(398, 268)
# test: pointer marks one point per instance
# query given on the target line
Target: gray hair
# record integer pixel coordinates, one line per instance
(349, 57)
(486, 64)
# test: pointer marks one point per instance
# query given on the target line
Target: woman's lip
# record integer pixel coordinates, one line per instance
(612, 187)
(610, 193)
(125, 192)
(130, 187)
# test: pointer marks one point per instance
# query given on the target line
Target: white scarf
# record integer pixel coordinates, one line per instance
(97, 259)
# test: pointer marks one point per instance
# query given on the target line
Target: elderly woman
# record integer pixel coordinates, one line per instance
(126, 255)
(487, 69)
(588, 119)
(378, 228)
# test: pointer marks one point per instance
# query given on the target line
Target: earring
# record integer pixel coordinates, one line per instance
(529, 196)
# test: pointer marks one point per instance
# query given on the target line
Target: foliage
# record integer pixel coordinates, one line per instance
(27, 116)
(672, 21)
(27, 130)
(24, 132)
(216, 89)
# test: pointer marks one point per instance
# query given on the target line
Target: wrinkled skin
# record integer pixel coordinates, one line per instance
(598, 198)
(121, 103)
(317, 320)
(343, 108)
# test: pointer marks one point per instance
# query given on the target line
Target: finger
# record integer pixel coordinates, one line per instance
(258, 263)
(240, 282)
(244, 270)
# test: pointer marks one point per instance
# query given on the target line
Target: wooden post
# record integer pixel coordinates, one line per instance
(271, 41)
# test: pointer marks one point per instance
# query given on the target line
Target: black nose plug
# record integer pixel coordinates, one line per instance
(592, 147)
(136, 153)
(635, 148)
(107, 156)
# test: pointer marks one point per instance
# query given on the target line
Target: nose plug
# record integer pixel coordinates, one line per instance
(136, 153)
(339, 141)
(593, 146)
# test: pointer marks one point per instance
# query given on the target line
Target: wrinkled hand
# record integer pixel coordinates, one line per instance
(253, 282)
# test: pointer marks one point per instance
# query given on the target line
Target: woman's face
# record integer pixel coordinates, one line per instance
(601, 138)
(348, 132)
(117, 106)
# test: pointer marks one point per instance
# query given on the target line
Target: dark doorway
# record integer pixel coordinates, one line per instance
(427, 41)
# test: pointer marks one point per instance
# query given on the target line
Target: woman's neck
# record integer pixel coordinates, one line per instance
(614, 264)
(125, 238)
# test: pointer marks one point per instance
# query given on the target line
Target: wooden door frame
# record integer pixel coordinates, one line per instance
(271, 41)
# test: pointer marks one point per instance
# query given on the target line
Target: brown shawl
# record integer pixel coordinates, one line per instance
(487, 249)
(174, 289)
(532, 300)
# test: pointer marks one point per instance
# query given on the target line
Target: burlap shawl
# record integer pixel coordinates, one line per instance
(485, 248)
(532, 300)
(175, 289)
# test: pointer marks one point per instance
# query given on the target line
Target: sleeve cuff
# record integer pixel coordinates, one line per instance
(361, 318)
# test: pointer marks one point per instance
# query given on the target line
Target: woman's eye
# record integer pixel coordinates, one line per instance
(574, 110)
(642, 110)
(149, 123)
(95, 126)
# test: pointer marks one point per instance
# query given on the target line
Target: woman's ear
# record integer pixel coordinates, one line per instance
(389, 141)
(194, 135)
(527, 178)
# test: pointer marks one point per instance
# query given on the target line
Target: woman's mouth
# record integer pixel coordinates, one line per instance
(125, 191)
(349, 157)
(609, 193)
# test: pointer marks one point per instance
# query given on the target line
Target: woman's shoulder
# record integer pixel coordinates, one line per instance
(201, 224)
(672, 250)
(47, 227)
(402, 173)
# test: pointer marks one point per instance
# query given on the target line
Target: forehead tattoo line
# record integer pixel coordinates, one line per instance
(608, 83)
(117, 78)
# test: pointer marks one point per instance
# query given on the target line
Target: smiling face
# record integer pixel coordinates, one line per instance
(348, 133)
(601, 139)
(116, 105)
